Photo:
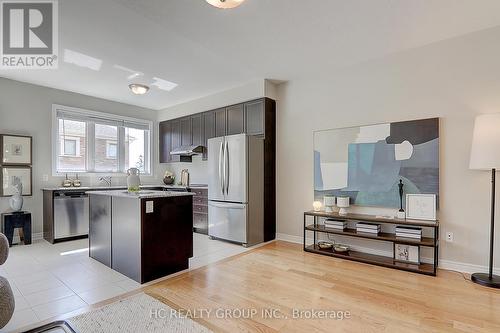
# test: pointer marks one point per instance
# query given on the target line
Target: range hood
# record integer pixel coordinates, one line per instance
(188, 150)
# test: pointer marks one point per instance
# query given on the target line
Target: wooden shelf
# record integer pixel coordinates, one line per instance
(373, 259)
(371, 218)
(382, 236)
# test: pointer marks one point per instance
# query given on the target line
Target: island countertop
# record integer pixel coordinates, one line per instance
(142, 194)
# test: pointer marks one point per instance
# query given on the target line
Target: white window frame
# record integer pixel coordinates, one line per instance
(90, 129)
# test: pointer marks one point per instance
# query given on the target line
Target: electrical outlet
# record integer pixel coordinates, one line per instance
(45, 178)
(449, 237)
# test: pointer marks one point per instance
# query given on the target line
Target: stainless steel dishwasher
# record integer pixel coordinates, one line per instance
(71, 214)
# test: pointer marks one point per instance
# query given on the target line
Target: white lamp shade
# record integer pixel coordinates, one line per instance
(485, 152)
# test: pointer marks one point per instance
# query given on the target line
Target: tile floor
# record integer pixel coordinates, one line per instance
(51, 280)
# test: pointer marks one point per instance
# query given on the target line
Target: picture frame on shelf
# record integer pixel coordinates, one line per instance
(407, 253)
(421, 207)
(24, 173)
(16, 149)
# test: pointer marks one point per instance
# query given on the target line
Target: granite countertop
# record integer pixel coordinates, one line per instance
(121, 187)
(143, 194)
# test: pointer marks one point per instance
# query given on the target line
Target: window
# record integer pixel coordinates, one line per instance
(111, 150)
(69, 147)
(95, 142)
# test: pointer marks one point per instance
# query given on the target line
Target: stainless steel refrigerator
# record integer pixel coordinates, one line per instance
(236, 189)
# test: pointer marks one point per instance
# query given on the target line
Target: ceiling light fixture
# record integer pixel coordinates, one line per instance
(138, 89)
(225, 4)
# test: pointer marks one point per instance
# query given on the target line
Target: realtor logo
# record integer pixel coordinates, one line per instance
(29, 36)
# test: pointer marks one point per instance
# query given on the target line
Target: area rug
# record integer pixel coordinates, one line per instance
(139, 313)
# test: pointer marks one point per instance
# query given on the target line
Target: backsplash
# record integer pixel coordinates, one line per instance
(198, 170)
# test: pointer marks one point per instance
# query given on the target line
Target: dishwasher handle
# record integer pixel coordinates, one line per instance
(69, 195)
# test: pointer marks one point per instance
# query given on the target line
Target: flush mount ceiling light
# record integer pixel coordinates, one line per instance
(225, 4)
(138, 89)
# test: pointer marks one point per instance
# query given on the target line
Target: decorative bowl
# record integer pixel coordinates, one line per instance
(325, 245)
(341, 248)
(168, 180)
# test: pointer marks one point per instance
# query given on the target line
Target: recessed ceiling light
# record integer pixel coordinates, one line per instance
(138, 89)
(225, 4)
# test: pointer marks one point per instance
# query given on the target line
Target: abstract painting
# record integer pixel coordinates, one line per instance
(367, 162)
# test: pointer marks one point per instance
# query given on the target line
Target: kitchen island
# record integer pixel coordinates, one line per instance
(145, 236)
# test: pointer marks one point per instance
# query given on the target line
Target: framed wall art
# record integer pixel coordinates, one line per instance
(7, 175)
(407, 253)
(421, 206)
(16, 149)
(366, 163)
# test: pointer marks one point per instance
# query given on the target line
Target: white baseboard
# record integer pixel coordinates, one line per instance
(443, 263)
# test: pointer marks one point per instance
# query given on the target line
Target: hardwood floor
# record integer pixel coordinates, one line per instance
(281, 276)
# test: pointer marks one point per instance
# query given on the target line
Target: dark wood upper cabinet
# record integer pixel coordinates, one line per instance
(209, 130)
(165, 141)
(220, 122)
(176, 138)
(254, 117)
(197, 129)
(186, 131)
(235, 119)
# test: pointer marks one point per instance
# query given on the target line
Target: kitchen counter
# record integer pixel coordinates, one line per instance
(143, 194)
(114, 187)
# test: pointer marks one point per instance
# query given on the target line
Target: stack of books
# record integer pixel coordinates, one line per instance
(335, 224)
(409, 232)
(368, 228)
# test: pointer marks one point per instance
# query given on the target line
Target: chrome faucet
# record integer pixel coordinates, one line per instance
(106, 180)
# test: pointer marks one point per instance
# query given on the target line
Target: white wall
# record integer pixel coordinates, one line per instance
(454, 79)
(246, 92)
(26, 109)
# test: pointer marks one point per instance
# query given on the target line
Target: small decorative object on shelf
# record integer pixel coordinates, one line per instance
(339, 248)
(168, 178)
(401, 212)
(407, 253)
(421, 206)
(16, 201)
(343, 204)
(325, 245)
(67, 182)
(317, 206)
(76, 181)
(329, 203)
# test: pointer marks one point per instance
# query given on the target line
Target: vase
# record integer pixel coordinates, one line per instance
(133, 180)
(16, 202)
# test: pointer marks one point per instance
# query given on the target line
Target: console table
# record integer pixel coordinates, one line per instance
(316, 228)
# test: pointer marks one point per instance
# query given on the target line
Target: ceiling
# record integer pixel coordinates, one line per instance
(205, 50)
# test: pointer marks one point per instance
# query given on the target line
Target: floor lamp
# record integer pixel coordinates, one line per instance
(485, 155)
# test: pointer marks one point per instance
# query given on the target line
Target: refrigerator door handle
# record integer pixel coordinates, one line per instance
(226, 169)
(221, 157)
